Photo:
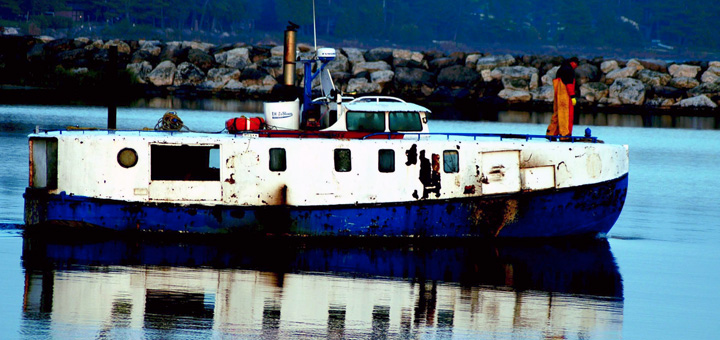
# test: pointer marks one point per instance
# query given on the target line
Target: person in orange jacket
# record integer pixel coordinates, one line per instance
(561, 123)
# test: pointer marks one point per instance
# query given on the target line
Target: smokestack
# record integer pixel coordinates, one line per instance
(289, 54)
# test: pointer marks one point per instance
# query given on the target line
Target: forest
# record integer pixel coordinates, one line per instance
(671, 26)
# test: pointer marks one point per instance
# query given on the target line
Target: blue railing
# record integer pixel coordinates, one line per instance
(475, 136)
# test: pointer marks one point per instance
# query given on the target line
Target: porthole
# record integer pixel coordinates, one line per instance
(127, 158)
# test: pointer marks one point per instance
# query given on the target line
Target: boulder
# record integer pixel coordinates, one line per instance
(188, 74)
(668, 92)
(515, 96)
(408, 58)
(628, 91)
(625, 72)
(711, 75)
(201, 59)
(70, 58)
(370, 66)
(457, 76)
(274, 67)
(382, 77)
(714, 64)
(379, 54)
(609, 66)
(544, 93)
(363, 86)
(517, 84)
(163, 74)
(654, 65)
(547, 79)
(697, 102)
(586, 73)
(660, 102)
(153, 47)
(442, 62)
(493, 61)
(708, 89)
(122, 46)
(507, 74)
(683, 82)
(354, 55)
(413, 81)
(635, 63)
(174, 52)
(653, 78)
(339, 64)
(140, 71)
(238, 58)
(142, 55)
(472, 59)
(683, 70)
(594, 91)
(217, 78)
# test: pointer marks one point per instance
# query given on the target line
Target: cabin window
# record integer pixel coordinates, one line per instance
(405, 121)
(127, 158)
(450, 161)
(184, 163)
(386, 160)
(342, 160)
(277, 159)
(365, 121)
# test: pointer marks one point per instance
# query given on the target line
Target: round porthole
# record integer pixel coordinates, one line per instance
(127, 158)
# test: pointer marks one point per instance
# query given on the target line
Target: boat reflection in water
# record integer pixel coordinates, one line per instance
(331, 289)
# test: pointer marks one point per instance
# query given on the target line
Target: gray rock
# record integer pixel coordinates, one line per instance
(708, 89)
(628, 91)
(370, 66)
(586, 73)
(457, 75)
(363, 86)
(379, 54)
(140, 71)
(413, 81)
(668, 92)
(408, 58)
(653, 78)
(711, 75)
(660, 102)
(494, 61)
(594, 91)
(382, 77)
(625, 72)
(654, 65)
(609, 66)
(339, 64)
(683, 70)
(238, 58)
(515, 96)
(163, 74)
(544, 93)
(683, 82)
(188, 74)
(201, 59)
(354, 55)
(697, 102)
(547, 79)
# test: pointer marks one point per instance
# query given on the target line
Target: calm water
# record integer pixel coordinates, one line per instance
(655, 277)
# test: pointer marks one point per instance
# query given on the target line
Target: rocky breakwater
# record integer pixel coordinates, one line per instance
(470, 79)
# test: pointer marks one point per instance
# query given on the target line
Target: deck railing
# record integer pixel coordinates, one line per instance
(475, 136)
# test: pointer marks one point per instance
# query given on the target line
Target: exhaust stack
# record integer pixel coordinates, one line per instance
(289, 54)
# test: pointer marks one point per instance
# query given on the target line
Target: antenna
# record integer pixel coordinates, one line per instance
(314, 27)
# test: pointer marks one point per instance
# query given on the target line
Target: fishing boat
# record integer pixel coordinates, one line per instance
(326, 166)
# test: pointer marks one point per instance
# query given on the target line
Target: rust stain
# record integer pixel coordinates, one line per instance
(494, 214)
(469, 189)
(230, 180)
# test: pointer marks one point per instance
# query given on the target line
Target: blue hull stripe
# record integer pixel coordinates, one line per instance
(586, 210)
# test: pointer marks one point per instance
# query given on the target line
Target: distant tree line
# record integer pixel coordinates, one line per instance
(605, 23)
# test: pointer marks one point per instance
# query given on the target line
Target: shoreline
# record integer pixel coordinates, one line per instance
(467, 84)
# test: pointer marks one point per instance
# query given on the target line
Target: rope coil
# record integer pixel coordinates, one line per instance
(170, 121)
